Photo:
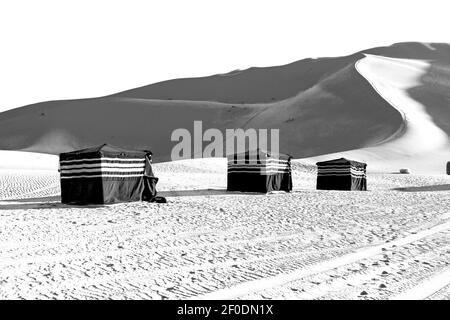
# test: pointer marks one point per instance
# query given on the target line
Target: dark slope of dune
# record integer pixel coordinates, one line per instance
(254, 85)
(320, 106)
(434, 90)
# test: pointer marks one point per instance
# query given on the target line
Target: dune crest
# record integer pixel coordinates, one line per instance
(391, 78)
(420, 142)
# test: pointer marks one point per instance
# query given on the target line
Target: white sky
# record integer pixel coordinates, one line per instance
(54, 49)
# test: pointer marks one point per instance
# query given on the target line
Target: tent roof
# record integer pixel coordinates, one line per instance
(261, 153)
(342, 161)
(106, 150)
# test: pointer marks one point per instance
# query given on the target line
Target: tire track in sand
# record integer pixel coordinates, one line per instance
(270, 282)
(426, 288)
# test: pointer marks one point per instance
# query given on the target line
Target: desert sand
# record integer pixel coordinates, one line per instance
(386, 106)
(205, 243)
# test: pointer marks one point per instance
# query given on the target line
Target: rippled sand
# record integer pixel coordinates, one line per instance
(390, 241)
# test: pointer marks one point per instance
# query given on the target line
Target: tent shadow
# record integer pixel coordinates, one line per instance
(202, 192)
(53, 202)
(33, 200)
(438, 187)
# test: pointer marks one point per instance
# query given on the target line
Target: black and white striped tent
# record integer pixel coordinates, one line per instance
(341, 174)
(259, 171)
(106, 174)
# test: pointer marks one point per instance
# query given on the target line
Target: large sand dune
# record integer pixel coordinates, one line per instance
(321, 106)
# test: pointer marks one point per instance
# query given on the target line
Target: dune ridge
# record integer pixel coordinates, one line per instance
(420, 143)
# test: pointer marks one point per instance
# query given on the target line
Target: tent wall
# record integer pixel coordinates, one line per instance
(279, 182)
(82, 190)
(263, 174)
(101, 190)
(333, 175)
(246, 182)
(101, 176)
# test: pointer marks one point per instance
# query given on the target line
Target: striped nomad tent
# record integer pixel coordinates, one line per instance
(341, 174)
(259, 171)
(106, 174)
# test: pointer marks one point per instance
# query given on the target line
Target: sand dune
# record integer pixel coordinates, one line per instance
(392, 78)
(387, 105)
(420, 143)
(316, 121)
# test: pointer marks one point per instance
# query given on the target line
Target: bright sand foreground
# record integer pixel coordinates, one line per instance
(389, 242)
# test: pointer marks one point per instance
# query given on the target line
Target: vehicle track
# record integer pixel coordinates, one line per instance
(270, 282)
(427, 288)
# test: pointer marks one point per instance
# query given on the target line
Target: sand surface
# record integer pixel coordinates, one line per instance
(389, 242)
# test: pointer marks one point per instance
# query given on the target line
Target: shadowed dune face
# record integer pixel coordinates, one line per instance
(254, 85)
(434, 93)
(321, 106)
(339, 113)
(143, 124)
